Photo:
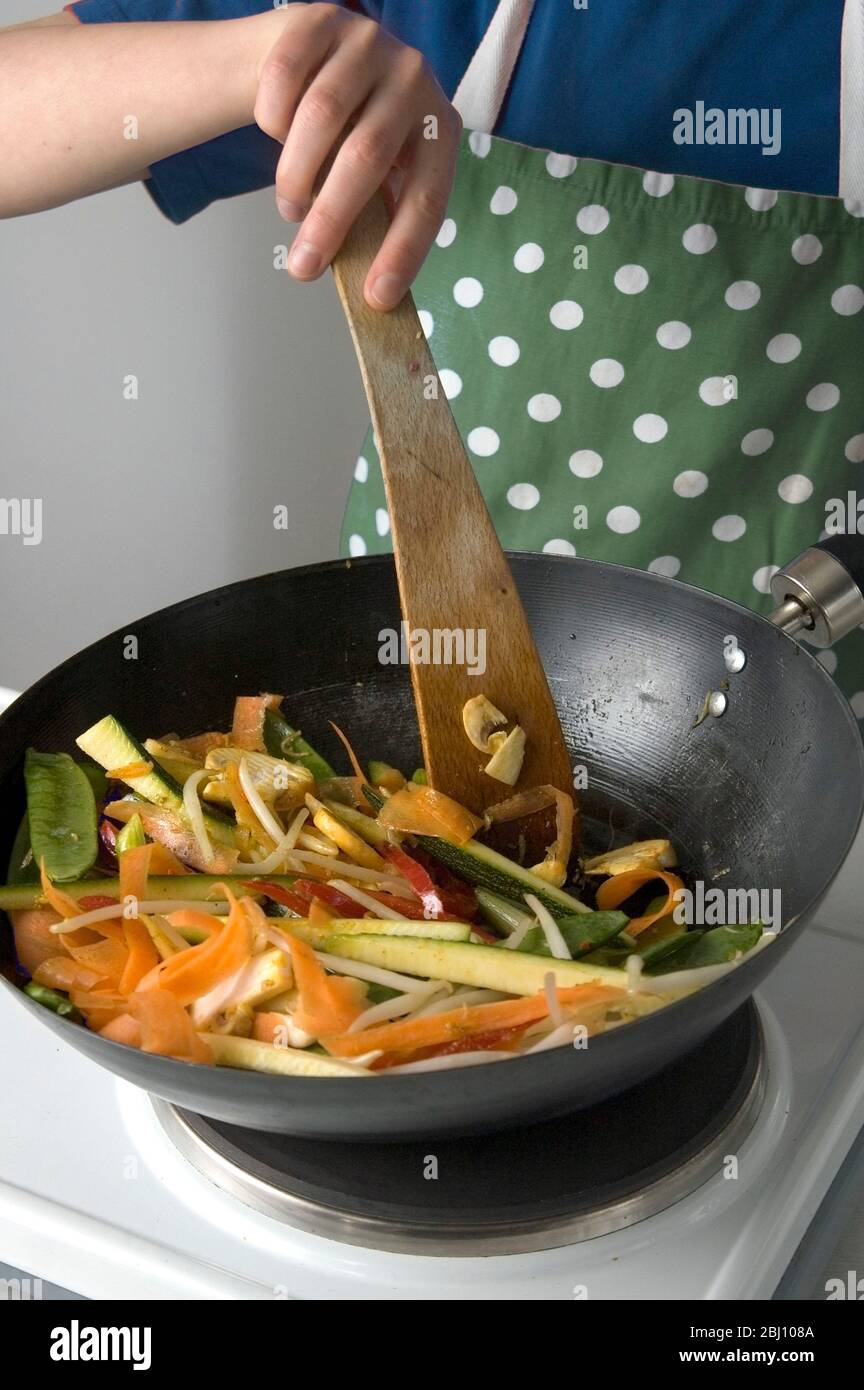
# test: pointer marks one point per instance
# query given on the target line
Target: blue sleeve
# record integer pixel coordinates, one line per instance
(239, 162)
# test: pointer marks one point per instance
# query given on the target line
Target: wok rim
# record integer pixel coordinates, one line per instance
(255, 1082)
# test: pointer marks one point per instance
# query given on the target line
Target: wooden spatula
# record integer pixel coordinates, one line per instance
(451, 569)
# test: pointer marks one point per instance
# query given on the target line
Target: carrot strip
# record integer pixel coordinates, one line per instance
(123, 1029)
(142, 955)
(410, 1034)
(166, 1028)
(326, 1003)
(109, 958)
(61, 972)
(194, 972)
(99, 1006)
(129, 771)
(165, 861)
(134, 871)
(247, 730)
(188, 917)
(423, 811)
(240, 801)
(201, 744)
(503, 1039)
(270, 1028)
(56, 898)
(618, 889)
(343, 739)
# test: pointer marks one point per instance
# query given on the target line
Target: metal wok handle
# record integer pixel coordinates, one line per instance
(819, 593)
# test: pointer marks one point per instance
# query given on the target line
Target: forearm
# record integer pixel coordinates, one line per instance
(86, 107)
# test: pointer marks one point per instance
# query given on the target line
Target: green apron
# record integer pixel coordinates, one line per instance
(651, 370)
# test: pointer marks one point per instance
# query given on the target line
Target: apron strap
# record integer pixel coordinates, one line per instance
(480, 95)
(852, 103)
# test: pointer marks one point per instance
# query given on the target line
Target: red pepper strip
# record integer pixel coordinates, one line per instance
(485, 933)
(94, 900)
(419, 878)
(458, 896)
(341, 904)
(406, 907)
(279, 895)
(476, 1042)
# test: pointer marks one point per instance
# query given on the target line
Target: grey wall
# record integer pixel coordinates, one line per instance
(249, 397)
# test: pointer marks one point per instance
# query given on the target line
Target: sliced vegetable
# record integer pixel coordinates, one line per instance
(423, 811)
(61, 814)
(480, 719)
(318, 936)
(555, 864)
(51, 999)
(111, 745)
(327, 1003)
(275, 779)
(488, 967)
(486, 868)
(505, 765)
(166, 1028)
(409, 1034)
(419, 777)
(581, 933)
(502, 913)
(622, 886)
(283, 741)
(642, 854)
(131, 836)
(383, 775)
(247, 730)
(251, 1055)
(194, 972)
(189, 887)
(349, 843)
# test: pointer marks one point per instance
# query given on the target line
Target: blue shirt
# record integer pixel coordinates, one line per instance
(602, 82)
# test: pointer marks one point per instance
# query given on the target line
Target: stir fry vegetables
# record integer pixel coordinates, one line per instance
(229, 899)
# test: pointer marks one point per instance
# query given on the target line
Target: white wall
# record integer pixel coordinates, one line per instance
(249, 398)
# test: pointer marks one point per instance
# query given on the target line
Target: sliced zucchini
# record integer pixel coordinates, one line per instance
(486, 868)
(112, 746)
(188, 887)
(319, 935)
(487, 967)
(229, 1051)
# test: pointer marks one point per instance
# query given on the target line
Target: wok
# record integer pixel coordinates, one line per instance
(768, 796)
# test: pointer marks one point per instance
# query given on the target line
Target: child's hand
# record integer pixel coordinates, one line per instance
(330, 70)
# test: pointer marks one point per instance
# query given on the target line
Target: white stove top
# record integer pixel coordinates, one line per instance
(94, 1197)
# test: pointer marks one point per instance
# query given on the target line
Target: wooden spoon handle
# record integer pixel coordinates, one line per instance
(453, 575)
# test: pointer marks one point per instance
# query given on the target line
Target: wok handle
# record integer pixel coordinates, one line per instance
(820, 594)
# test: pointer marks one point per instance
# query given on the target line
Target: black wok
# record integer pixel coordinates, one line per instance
(767, 796)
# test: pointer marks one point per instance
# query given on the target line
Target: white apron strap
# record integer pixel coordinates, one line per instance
(480, 95)
(852, 103)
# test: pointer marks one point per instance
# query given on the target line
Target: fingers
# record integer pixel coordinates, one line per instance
(327, 70)
(359, 169)
(418, 216)
(322, 115)
(294, 58)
